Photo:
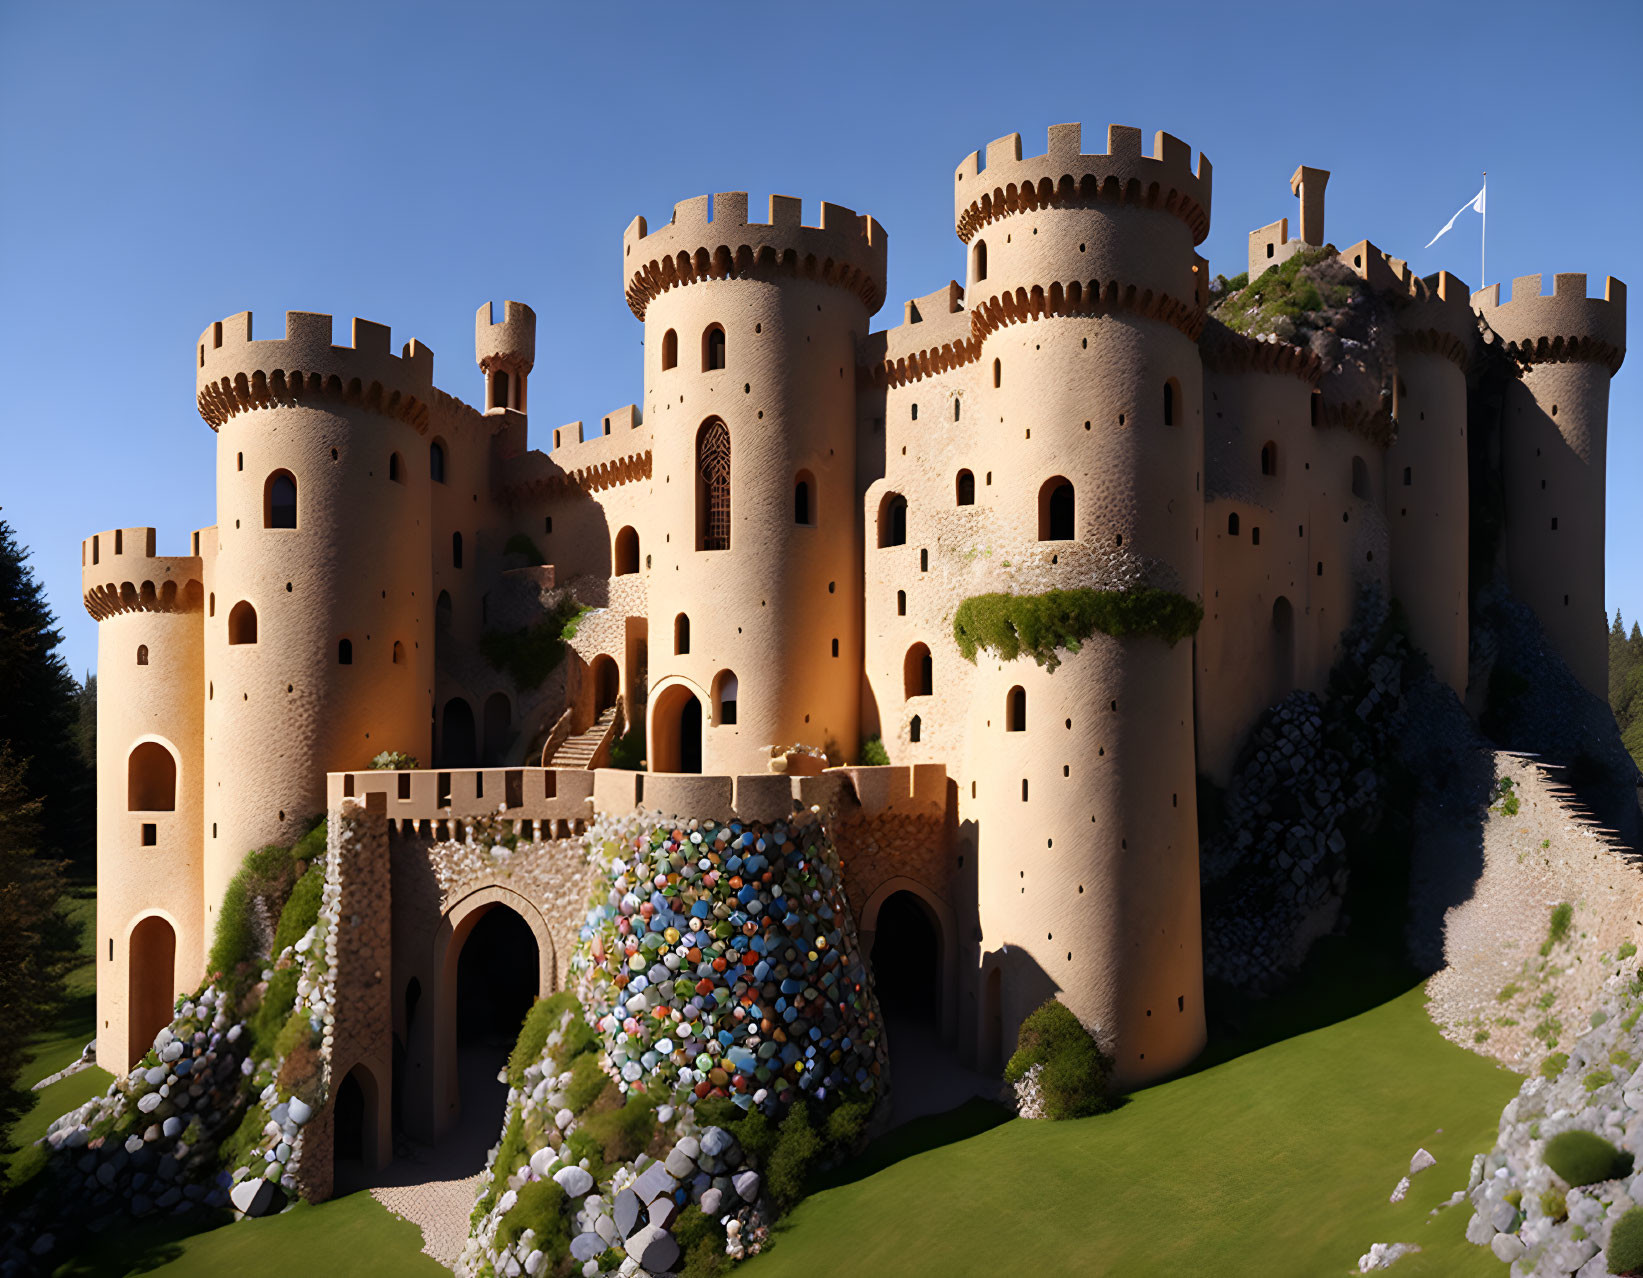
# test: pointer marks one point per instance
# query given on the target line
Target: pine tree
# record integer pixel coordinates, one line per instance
(40, 711)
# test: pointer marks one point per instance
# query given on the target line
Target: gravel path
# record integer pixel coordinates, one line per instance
(435, 1189)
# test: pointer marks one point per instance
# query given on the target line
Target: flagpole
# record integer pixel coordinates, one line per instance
(1483, 236)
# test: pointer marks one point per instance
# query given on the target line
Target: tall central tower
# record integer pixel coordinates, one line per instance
(1086, 291)
(754, 579)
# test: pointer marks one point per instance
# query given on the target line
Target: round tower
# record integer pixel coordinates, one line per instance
(1554, 441)
(319, 620)
(1088, 300)
(151, 935)
(505, 350)
(1427, 493)
(753, 556)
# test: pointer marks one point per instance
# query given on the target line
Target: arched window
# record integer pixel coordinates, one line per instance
(1172, 394)
(142, 654)
(399, 653)
(681, 635)
(893, 520)
(1360, 478)
(901, 603)
(627, 551)
(279, 500)
(670, 350)
(242, 623)
(804, 499)
(980, 255)
(1015, 709)
(1056, 510)
(499, 389)
(456, 550)
(436, 462)
(345, 652)
(151, 778)
(998, 374)
(713, 348)
(724, 698)
(395, 471)
(966, 488)
(915, 729)
(918, 672)
(1232, 524)
(713, 486)
(1269, 458)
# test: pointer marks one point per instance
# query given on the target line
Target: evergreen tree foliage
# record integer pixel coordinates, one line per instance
(1626, 684)
(40, 709)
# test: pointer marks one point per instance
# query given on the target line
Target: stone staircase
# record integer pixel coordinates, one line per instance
(578, 751)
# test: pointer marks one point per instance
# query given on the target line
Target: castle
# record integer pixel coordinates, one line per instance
(773, 543)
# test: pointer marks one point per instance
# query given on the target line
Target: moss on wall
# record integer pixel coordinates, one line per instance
(531, 653)
(1042, 626)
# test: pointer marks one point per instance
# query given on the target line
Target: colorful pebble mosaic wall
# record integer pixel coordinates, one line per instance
(724, 962)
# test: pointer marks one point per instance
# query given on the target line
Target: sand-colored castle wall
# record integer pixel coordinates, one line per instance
(779, 608)
(1555, 454)
(148, 705)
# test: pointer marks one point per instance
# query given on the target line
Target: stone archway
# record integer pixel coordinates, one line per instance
(906, 958)
(940, 942)
(361, 1140)
(151, 982)
(493, 956)
(675, 739)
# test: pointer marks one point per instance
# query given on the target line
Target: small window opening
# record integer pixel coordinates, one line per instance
(242, 623)
(918, 672)
(681, 635)
(998, 374)
(901, 603)
(1056, 512)
(670, 350)
(966, 488)
(713, 349)
(980, 255)
(915, 729)
(280, 502)
(1170, 396)
(345, 652)
(142, 654)
(393, 468)
(399, 653)
(1015, 710)
(1269, 458)
(1232, 524)
(456, 550)
(436, 462)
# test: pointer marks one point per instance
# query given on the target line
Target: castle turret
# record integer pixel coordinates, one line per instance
(1555, 449)
(151, 934)
(1088, 299)
(752, 558)
(319, 625)
(505, 350)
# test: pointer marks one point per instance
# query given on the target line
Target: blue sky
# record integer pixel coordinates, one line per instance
(164, 165)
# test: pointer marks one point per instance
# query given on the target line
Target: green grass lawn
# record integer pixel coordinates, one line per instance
(1276, 1162)
(352, 1237)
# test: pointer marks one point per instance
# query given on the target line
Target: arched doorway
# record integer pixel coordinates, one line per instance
(458, 746)
(907, 959)
(607, 683)
(676, 739)
(498, 729)
(498, 977)
(151, 987)
(348, 1117)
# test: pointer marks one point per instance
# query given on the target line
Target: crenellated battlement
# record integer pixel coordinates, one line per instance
(236, 373)
(506, 343)
(1005, 183)
(710, 237)
(1563, 326)
(119, 572)
(933, 337)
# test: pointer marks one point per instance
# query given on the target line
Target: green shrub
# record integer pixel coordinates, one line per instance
(1073, 1081)
(531, 653)
(846, 1123)
(1508, 992)
(533, 1037)
(1554, 1064)
(873, 753)
(702, 1241)
(587, 1081)
(1549, 1030)
(1562, 915)
(521, 545)
(301, 910)
(1584, 1158)
(1596, 1079)
(1044, 625)
(509, 1155)
(1599, 1017)
(1554, 1203)
(540, 1206)
(266, 875)
(1627, 949)
(1621, 1057)
(1625, 1253)
(628, 750)
(393, 761)
(797, 1148)
(296, 1031)
(623, 1133)
(274, 1010)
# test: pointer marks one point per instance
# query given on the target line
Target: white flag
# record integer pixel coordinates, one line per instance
(1476, 202)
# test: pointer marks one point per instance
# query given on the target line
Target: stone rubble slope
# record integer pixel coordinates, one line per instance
(1522, 1210)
